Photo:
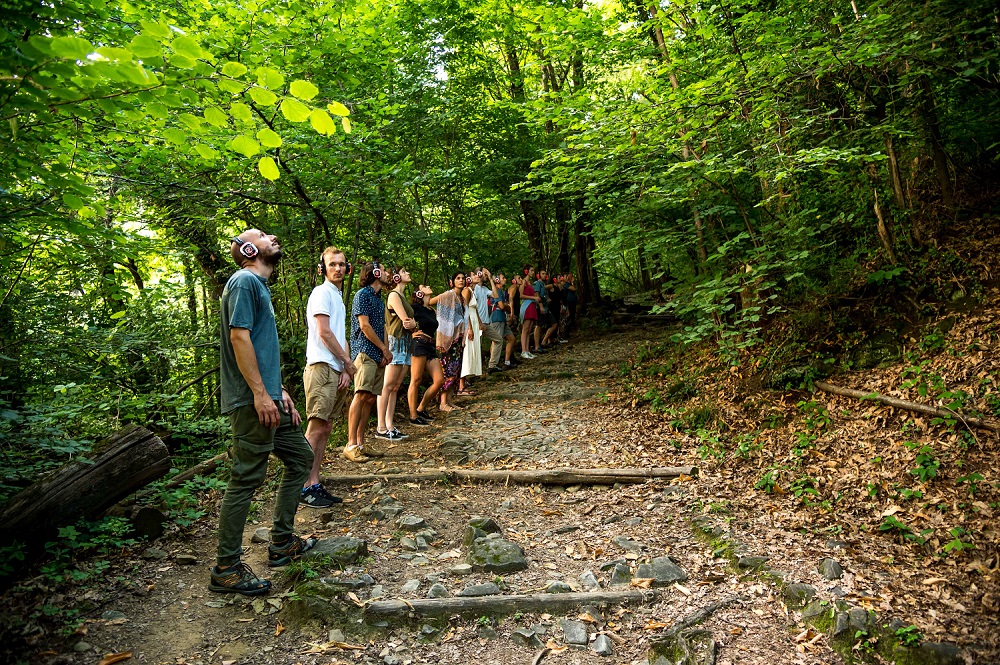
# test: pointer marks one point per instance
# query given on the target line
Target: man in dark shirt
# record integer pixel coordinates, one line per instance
(370, 350)
(262, 416)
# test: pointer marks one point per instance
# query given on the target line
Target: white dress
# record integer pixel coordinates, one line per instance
(472, 357)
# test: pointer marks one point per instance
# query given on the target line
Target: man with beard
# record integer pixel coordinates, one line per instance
(262, 417)
(329, 369)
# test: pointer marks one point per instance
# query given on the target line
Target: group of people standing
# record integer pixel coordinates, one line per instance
(412, 331)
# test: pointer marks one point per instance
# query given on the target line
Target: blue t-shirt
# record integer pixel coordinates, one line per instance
(367, 303)
(497, 315)
(542, 292)
(246, 303)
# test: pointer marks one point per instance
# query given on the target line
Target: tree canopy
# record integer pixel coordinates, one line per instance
(733, 158)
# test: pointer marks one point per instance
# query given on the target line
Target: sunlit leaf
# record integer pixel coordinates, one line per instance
(294, 110)
(234, 69)
(72, 48)
(268, 168)
(303, 89)
(240, 111)
(337, 108)
(244, 145)
(263, 96)
(346, 122)
(322, 122)
(144, 46)
(269, 138)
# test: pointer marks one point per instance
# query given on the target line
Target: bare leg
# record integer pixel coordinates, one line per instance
(525, 335)
(357, 419)
(394, 375)
(416, 376)
(437, 378)
(510, 348)
(317, 434)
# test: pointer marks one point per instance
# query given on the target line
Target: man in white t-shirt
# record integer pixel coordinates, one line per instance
(329, 369)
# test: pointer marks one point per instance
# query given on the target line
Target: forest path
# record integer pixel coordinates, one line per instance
(547, 413)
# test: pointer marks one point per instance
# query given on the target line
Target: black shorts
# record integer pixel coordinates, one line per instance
(546, 320)
(423, 348)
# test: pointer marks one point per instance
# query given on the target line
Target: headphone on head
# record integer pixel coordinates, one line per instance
(321, 266)
(248, 250)
(396, 278)
(419, 295)
(496, 280)
(376, 269)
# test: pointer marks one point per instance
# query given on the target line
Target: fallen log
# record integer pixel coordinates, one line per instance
(968, 421)
(200, 469)
(128, 460)
(528, 477)
(507, 604)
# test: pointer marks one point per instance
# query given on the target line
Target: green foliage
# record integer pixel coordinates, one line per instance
(927, 463)
(909, 636)
(184, 505)
(956, 544)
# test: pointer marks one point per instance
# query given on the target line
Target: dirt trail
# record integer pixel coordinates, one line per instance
(544, 414)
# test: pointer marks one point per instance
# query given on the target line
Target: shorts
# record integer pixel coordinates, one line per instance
(323, 400)
(400, 349)
(424, 348)
(546, 319)
(369, 376)
(496, 331)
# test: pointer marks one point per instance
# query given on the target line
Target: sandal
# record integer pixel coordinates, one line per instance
(466, 393)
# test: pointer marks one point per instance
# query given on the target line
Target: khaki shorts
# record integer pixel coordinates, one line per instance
(323, 400)
(369, 376)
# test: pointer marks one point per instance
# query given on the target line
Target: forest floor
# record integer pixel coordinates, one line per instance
(585, 405)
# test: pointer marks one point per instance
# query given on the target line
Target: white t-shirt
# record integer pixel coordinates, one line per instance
(326, 299)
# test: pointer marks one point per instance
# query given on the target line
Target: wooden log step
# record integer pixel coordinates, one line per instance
(565, 476)
(506, 604)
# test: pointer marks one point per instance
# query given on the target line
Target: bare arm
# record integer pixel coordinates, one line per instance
(246, 360)
(369, 332)
(396, 304)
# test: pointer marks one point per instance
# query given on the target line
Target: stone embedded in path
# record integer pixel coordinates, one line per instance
(557, 586)
(527, 637)
(628, 544)
(799, 595)
(186, 559)
(611, 564)
(261, 535)
(341, 549)
(496, 555)
(751, 562)
(940, 653)
(461, 569)
(621, 575)
(574, 632)
(602, 646)
(663, 571)
(112, 615)
(154, 554)
(476, 590)
(830, 569)
(409, 586)
(411, 523)
(588, 580)
(479, 527)
(438, 591)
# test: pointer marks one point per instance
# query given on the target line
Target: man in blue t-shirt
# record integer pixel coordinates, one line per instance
(262, 417)
(493, 311)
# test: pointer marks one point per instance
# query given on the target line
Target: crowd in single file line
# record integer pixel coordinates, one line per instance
(396, 329)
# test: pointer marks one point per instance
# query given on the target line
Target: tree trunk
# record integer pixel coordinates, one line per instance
(897, 181)
(936, 145)
(885, 230)
(130, 459)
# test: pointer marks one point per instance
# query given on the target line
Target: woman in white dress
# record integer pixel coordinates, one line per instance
(472, 356)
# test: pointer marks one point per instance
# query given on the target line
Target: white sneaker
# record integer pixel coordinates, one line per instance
(527, 355)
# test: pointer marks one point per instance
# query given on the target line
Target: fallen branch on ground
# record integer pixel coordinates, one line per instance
(694, 619)
(200, 469)
(480, 605)
(529, 477)
(927, 409)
